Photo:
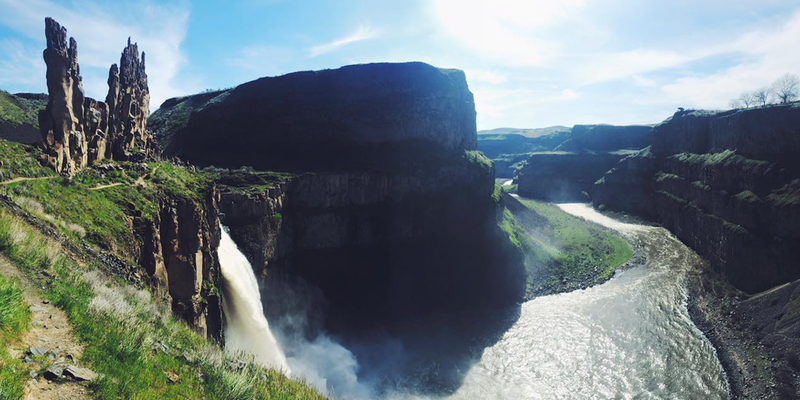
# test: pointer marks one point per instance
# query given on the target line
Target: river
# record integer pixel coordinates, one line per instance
(629, 338)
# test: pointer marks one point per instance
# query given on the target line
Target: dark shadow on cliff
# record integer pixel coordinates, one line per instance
(428, 355)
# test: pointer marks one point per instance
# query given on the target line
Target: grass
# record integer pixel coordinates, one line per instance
(109, 218)
(477, 158)
(18, 111)
(140, 349)
(15, 317)
(19, 160)
(569, 252)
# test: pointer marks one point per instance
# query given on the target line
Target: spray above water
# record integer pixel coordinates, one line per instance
(247, 329)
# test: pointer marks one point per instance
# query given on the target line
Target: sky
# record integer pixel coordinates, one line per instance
(529, 63)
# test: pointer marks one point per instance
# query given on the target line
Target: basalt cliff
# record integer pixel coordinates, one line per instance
(381, 200)
(569, 171)
(728, 185)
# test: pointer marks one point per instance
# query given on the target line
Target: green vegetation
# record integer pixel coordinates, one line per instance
(727, 158)
(747, 196)
(662, 176)
(98, 204)
(18, 111)
(787, 195)
(702, 186)
(18, 160)
(141, 351)
(246, 179)
(477, 158)
(15, 318)
(567, 252)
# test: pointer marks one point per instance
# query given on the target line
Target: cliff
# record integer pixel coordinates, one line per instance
(372, 116)
(79, 131)
(726, 183)
(569, 172)
(387, 209)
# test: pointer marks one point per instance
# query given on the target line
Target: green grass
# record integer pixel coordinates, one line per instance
(120, 341)
(569, 252)
(15, 317)
(17, 111)
(477, 158)
(19, 160)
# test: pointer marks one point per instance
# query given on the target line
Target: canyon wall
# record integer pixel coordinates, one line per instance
(78, 130)
(568, 173)
(726, 183)
(387, 209)
(179, 254)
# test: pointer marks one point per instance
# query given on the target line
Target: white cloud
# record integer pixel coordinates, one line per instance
(509, 31)
(641, 81)
(773, 53)
(486, 76)
(102, 33)
(568, 94)
(363, 32)
(20, 65)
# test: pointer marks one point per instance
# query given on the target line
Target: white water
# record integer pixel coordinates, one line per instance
(247, 329)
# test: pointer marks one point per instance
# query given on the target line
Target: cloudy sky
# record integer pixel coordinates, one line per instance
(530, 63)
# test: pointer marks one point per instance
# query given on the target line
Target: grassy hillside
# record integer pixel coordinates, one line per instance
(137, 345)
(17, 111)
(14, 321)
(563, 252)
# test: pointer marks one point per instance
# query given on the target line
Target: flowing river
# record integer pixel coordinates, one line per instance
(629, 338)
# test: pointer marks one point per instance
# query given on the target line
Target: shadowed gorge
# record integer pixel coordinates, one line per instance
(373, 226)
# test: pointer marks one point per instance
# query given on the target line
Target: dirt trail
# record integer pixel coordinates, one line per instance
(106, 186)
(50, 330)
(23, 179)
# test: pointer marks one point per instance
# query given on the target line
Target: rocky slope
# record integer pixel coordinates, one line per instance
(726, 184)
(79, 131)
(568, 173)
(389, 211)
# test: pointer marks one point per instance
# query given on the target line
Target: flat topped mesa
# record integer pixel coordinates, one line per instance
(79, 131)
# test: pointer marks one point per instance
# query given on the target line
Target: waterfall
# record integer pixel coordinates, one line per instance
(247, 329)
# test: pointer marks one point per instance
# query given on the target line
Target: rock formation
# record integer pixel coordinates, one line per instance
(359, 116)
(570, 171)
(726, 183)
(387, 209)
(77, 130)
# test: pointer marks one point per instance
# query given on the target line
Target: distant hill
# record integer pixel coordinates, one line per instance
(529, 133)
(19, 121)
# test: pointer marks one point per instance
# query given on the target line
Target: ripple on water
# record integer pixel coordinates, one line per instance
(630, 337)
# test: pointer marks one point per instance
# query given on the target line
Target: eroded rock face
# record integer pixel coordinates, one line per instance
(727, 184)
(179, 254)
(77, 130)
(376, 116)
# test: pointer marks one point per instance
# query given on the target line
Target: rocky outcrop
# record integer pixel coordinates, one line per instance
(372, 116)
(569, 172)
(727, 184)
(562, 176)
(605, 138)
(382, 246)
(179, 253)
(77, 130)
(388, 209)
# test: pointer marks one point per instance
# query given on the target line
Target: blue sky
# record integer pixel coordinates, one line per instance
(529, 63)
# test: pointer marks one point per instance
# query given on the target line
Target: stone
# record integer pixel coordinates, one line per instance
(38, 351)
(80, 374)
(54, 373)
(78, 131)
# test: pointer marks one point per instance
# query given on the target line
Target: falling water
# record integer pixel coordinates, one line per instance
(247, 329)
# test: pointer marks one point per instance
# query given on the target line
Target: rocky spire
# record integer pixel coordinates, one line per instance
(61, 122)
(78, 131)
